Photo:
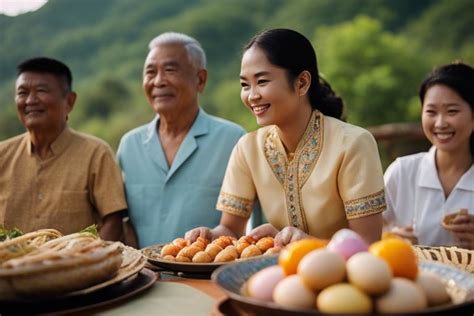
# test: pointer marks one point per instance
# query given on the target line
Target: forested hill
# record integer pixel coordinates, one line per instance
(374, 52)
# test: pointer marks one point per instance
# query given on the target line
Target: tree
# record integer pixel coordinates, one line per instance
(108, 95)
(374, 71)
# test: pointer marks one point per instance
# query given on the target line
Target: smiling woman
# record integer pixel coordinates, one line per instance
(311, 172)
(17, 7)
(425, 188)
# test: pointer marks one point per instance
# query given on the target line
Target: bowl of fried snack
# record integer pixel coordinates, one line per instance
(204, 255)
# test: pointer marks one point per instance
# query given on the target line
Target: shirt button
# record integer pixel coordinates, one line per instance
(40, 196)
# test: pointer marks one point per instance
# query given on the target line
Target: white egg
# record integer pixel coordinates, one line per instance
(343, 298)
(433, 287)
(292, 292)
(404, 296)
(321, 268)
(369, 273)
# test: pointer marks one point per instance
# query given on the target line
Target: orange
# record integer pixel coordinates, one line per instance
(387, 235)
(399, 255)
(292, 254)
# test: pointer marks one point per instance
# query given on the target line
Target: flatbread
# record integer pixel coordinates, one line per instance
(58, 276)
(448, 219)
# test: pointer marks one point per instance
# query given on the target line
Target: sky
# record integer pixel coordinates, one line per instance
(15, 7)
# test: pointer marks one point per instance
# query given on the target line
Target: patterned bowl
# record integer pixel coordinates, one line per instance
(232, 278)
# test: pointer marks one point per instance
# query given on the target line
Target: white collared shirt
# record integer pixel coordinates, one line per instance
(414, 196)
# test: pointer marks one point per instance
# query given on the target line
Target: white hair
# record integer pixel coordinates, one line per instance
(196, 54)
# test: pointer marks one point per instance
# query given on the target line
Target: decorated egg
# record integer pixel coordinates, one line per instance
(346, 242)
(262, 283)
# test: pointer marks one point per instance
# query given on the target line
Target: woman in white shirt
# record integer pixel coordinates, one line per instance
(422, 189)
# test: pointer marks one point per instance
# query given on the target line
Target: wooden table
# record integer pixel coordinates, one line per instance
(204, 285)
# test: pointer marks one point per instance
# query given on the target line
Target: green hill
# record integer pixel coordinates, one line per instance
(374, 52)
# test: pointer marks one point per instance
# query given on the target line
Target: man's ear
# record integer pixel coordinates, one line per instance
(71, 100)
(202, 79)
(303, 82)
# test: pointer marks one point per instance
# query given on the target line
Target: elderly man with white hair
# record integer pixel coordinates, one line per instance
(173, 167)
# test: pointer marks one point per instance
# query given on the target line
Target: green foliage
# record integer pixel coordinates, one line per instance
(7, 234)
(373, 70)
(447, 24)
(105, 97)
(229, 105)
(375, 61)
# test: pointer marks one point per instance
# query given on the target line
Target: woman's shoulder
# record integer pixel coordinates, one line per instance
(407, 164)
(411, 159)
(347, 136)
(343, 129)
(255, 137)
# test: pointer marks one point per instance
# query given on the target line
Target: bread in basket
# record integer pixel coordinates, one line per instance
(60, 266)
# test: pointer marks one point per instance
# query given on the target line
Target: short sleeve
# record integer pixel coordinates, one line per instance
(391, 179)
(238, 192)
(360, 178)
(107, 191)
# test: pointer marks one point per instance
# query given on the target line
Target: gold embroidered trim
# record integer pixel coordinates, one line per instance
(311, 148)
(371, 204)
(234, 205)
(293, 174)
(295, 210)
(276, 159)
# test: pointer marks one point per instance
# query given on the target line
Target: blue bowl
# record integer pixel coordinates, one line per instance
(232, 279)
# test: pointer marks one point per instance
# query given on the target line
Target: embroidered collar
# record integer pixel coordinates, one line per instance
(305, 156)
(293, 174)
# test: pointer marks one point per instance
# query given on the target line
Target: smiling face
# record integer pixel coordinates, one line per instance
(447, 119)
(170, 81)
(266, 91)
(42, 101)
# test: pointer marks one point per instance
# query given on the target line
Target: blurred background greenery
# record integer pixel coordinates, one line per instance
(373, 52)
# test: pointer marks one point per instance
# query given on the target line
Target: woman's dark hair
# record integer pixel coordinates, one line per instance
(457, 76)
(293, 52)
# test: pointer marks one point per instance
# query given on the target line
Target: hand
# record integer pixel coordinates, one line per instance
(193, 234)
(462, 227)
(288, 235)
(405, 232)
(265, 230)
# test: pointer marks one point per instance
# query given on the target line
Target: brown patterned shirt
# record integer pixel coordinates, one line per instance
(74, 187)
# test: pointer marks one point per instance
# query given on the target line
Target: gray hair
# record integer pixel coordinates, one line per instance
(196, 54)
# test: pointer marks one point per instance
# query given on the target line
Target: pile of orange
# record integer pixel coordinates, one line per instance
(291, 255)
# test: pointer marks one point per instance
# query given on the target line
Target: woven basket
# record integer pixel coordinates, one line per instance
(458, 257)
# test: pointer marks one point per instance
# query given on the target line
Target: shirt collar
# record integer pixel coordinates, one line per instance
(57, 146)
(467, 180)
(61, 142)
(200, 126)
(429, 176)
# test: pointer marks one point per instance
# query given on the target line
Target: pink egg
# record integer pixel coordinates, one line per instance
(346, 242)
(262, 283)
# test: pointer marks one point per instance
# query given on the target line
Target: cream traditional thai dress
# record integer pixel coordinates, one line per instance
(335, 175)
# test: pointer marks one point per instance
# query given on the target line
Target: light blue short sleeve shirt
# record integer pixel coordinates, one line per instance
(165, 202)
